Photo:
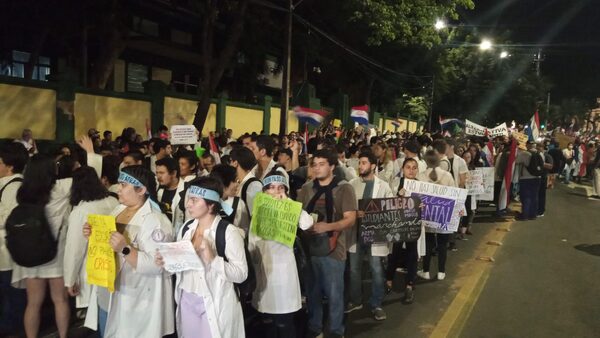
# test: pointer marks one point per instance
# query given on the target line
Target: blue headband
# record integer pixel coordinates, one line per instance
(277, 179)
(210, 195)
(126, 178)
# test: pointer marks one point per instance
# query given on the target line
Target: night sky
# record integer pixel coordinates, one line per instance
(568, 31)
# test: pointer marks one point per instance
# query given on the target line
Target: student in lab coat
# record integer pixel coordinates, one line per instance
(208, 305)
(277, 295)
(142, 303)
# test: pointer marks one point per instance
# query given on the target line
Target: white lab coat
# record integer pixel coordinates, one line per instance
(215, 282)
(421, 244)
(76, 246)
(178, 217)
(277, 281)
(381, 189)
(142, 304)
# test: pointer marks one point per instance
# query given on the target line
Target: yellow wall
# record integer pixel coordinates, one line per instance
(180, 111)
(292, 121)
(412, 126)
(26, 107)
(109, 113)
(275, 119)
(243, 120)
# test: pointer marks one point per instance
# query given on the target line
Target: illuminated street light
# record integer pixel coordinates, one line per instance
(504, 54)
(486, 44)
(440, 24)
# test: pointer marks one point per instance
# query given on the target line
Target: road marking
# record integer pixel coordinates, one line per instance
(474, 275)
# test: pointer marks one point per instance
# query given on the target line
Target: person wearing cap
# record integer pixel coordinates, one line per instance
(143, 293)
(277, 296)
(529, 184)
(207, 302)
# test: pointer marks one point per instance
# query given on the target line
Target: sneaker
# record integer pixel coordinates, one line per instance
(379, 314)
(441, 275)
(540, 215)
(452, 247)
(401, 270)
(409, 296)
(352, 307)
(423, 275)
(313, 334)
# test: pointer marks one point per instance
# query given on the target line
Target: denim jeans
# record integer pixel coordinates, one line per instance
(530, 189)
(377, 276)
(12, 305)
(328, 280)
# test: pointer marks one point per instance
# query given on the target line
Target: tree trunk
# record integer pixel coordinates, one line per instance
(214, 72)
(113, 44)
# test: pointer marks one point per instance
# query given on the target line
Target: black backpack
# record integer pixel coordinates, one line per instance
(29, 238)
(536, 165)
(244, 193)
(244, 289)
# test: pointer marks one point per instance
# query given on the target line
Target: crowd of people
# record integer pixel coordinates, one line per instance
(204, 193)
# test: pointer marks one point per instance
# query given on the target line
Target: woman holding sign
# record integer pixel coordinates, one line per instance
(207, 301)
(410, 169)
(435, 238)
(142, 303)
(277, 295)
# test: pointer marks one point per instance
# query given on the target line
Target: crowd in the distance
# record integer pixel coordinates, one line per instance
(248, 286)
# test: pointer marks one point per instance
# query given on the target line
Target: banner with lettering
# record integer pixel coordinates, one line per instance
(443, 204)
(275, 219)
(395, 219)
(101, 266)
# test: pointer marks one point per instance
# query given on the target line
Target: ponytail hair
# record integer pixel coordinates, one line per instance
(433, 161)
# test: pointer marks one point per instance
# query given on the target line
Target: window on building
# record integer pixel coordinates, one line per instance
(136, 76)
(18, 62)
(145, 26)
(185, 83)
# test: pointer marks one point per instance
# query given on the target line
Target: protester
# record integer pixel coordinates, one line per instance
(277, 295)
(548, 165)
(332, 203)
(412, 250)
(529, 182)
(244, 161)
(28, 142)
(143, 292)
(366, 187)
(188, 165)
(385, 166)
(435, 237)
(13, 158)
(569, 156)
(88, 196)
(207, 303)
(263, 150)
(239, 216)
(208, 162)
(169, 191)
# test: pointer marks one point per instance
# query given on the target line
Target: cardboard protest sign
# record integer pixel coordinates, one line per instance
(393, 219)
(521, 138)
(274, 219)
(101, 266)
(179, 256)
(564, 140)
(474, 182)
(488, 184)
(184, 134)
(442, 203)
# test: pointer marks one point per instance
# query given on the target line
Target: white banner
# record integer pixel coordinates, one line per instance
(501, 130)
(184, 134)
(472, 128)
(443, 204)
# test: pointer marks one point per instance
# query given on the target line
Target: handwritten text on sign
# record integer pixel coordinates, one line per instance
(101, 265)
(184, 134)
(390, 220)
(179, 256)
(442, 203)
(274, 219)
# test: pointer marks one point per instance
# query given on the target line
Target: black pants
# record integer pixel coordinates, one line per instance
(497, 187)
(542, 196)
(411, 258)
(442, 250)
(278, 325)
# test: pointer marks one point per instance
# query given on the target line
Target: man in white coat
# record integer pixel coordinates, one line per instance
(169, 191)
(367, 186)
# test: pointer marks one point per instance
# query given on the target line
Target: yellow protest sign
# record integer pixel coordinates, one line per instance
(521, 138)
(101, 265)
(337, 123)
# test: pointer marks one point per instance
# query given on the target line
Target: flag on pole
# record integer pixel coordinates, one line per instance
(214, 150)
(360, 114)
(534, 127)
(311, 116)
(488, 150)
(305, 147)
(504, 198)
(449, 121)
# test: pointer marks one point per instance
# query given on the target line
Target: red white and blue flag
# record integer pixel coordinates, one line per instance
(214, 150)
(360, 114)
(310, 116)
(534, 127)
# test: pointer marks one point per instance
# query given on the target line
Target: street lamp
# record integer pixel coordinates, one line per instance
(486, 44)
(504, 54)
(440, 24)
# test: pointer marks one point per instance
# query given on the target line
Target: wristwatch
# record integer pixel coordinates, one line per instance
(126, 250)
